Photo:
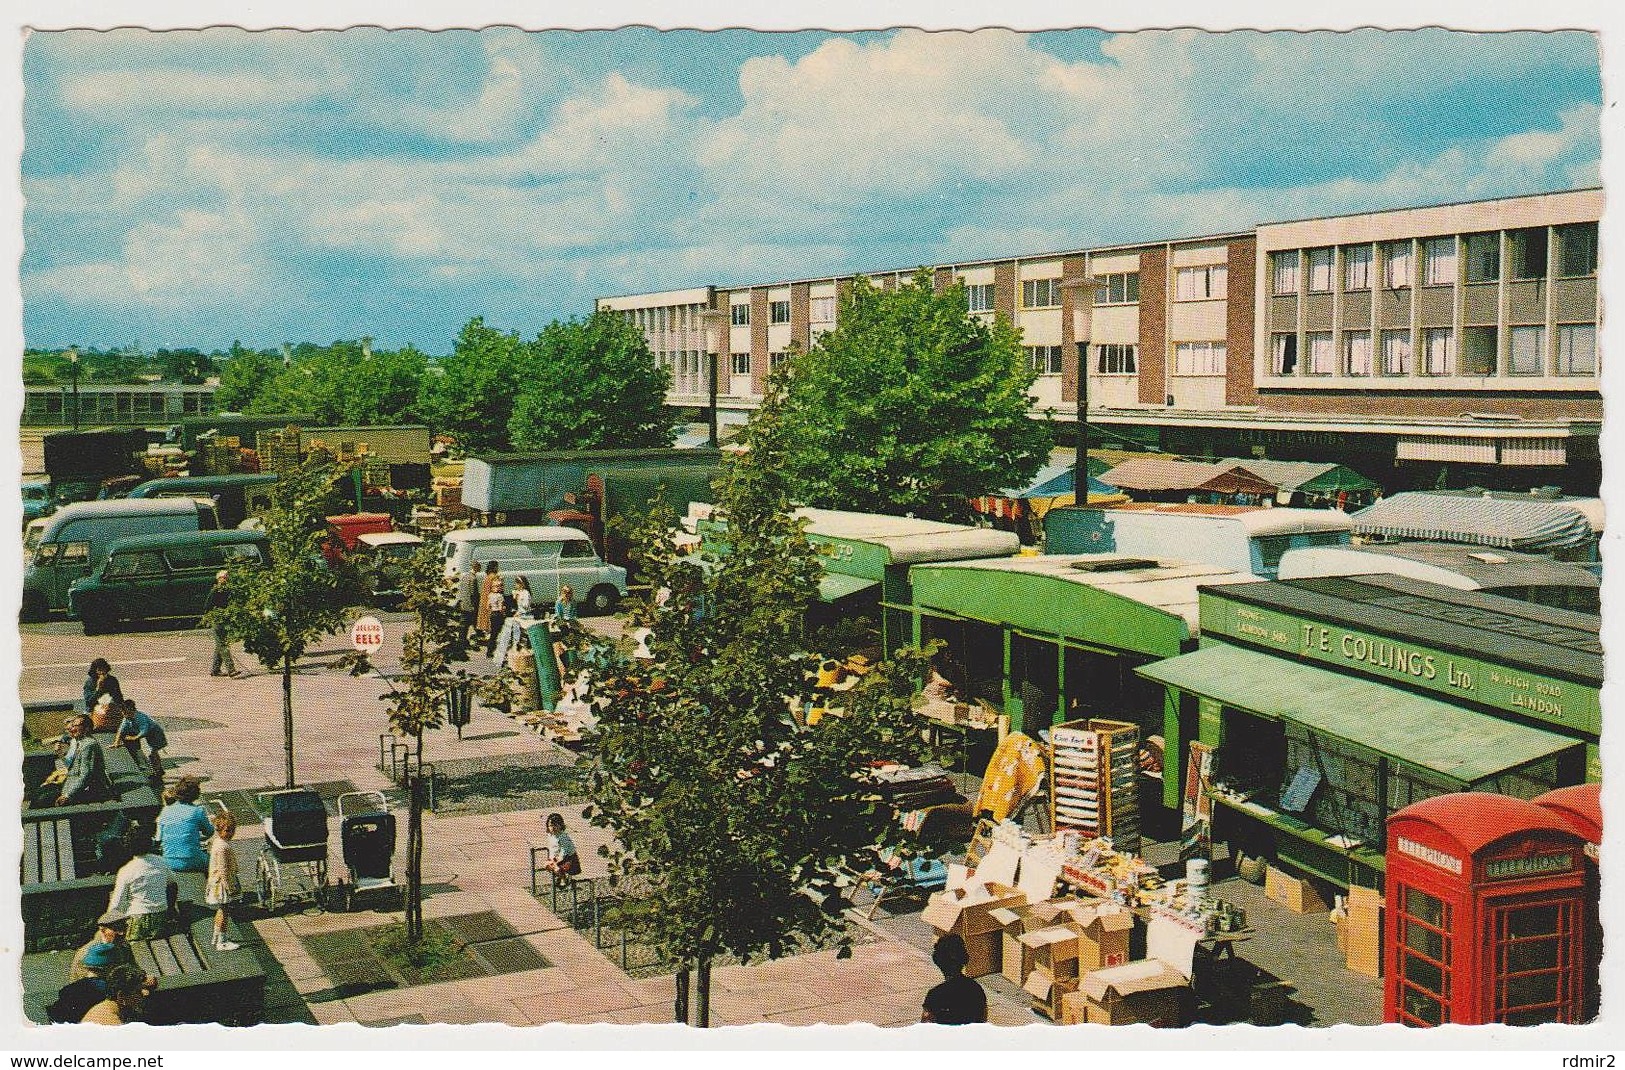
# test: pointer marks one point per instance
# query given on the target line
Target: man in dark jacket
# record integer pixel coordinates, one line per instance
(468, 598)
(87, 779)
(220, 598)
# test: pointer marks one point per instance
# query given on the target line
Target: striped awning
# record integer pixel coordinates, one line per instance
(1532, 526)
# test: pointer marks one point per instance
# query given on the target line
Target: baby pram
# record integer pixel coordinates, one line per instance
(367, 836)
(293, 862)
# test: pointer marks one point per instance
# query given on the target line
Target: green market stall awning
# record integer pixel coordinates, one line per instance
(1460, 745)
(1305, 477)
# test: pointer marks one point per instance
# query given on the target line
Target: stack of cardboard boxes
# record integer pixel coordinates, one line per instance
(1148, 992)
(1081, 938)
(968, 911)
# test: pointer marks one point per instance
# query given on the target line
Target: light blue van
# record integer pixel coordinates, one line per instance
(72, 542)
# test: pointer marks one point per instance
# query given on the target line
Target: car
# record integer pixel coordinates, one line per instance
(382, 556)
(37, 500)
(149, 577)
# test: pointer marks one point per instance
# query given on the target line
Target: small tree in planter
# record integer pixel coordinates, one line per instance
(748, 822)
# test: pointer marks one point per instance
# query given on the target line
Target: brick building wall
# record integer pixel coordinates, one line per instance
(1242, 262)
(1072, 267)
(758, 341)
(1153, 326)
(1004, 288)
(800, 309)
(1428, 404)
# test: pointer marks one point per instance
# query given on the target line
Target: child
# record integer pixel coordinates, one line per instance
(223, 888)
(562, 859)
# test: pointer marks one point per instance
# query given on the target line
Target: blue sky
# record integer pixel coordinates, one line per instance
(192, 188)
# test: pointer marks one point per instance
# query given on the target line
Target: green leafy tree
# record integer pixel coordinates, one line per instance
(277, 611)
(418, 696)
(746, 821)
(347, 383)
(472, 396)
(188, 366)
(591, 384)
(909, 406)
(243, 375)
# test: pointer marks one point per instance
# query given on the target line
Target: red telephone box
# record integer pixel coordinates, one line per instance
(1581, 806)
(1486, 914)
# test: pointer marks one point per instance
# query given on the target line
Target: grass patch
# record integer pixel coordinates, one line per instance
(437, 957)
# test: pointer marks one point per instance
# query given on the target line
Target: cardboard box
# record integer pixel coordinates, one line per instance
(1103, 936)
(986, 952)
(1049, 993)
(1364, 931)
(1294, 893)
(1148, 992)
(1055, 950)
(967, 911)
(1015, 958)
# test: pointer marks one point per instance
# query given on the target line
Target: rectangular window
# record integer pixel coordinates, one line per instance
(1122, 288)
(1322, 358)
(1439, 262)
(1483, 252)
(1396, 263)
(739, 363)
(1284, 354)
(979, 297)
(1577, 349)
(1045, 360)
(1396, 352)
(1116, 359)
(775, 361)
(1577, 250)
(1438, 351)
(1284, 272)
(1320, 271)
(1526, 249)
(779, 312)
(1199, 358)
(741, 315)
(1041, 293)
(1357, 267)
(1527, 355)
(1200, 283)
(821, 310)
(1357, 353)
(1478, 350)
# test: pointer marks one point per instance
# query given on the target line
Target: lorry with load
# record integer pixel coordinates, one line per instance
(587, 489)
(78, 462)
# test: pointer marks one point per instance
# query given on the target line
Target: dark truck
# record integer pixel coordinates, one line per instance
(79, 462)
(587, 489)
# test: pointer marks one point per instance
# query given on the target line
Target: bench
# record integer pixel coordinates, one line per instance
(48, 852)
(196, 984)
(62, 891)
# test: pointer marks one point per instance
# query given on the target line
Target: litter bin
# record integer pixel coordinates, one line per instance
(459, 706)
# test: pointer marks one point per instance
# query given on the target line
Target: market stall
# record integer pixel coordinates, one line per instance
(1022, 509)
(1314, 484)
(1168, 480)
(1326, 705)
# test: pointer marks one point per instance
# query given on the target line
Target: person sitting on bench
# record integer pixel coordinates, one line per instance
(86, 780)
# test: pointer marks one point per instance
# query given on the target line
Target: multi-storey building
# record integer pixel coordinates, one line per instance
(1461, 335)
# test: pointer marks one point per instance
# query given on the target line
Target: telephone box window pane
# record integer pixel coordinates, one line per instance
(1538, 1016)
(1420, 938)
(1530, 955)
(1423, 973)
(1533, 921)
(1423, 1008)
(1531, 991)
(1424, 907)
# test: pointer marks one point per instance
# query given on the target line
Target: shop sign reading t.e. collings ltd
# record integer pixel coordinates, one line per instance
(1533, 695)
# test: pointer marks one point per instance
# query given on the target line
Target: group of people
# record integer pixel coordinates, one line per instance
(495, 613)
(103, 984)
(83, 777)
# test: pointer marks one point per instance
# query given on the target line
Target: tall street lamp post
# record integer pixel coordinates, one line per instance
(1081, 290)
(712, 321)
(73, 370)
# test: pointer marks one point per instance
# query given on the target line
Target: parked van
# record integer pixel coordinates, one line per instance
(546, 556)
(235, 497)
(1241, 538)
(383, 557)
(147, 577)
(72, 542)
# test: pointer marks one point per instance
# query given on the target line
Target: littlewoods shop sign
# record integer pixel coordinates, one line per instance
(1530, 694)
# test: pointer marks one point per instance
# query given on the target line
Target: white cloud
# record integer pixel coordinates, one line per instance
(176, 88)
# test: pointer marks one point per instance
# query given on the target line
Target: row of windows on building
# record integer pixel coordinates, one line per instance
(1444, 261)
(819, 310)
(55, 405)
(1570, 349)
(1190, 358)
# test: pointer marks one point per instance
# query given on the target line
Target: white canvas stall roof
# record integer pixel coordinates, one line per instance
(1449, 564)
(1516, 524)
(909, 540)
(1170, 586)
(1260, 522)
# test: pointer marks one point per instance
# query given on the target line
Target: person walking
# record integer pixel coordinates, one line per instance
(99, 681)
(958, 1000)
(482, 617)
(144, 890)
(220, 599)
(468, 599)
(496, 609)
(137, 728)
(223, 888)
(184, 827)
(86, 779)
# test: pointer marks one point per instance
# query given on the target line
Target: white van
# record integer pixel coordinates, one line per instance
(548, 557)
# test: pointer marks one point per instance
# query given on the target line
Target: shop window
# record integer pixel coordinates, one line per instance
(1483, 253)
(1478, 350)
(1347, 799)
(1357, 268)
(1526, 249)
(1577, 250)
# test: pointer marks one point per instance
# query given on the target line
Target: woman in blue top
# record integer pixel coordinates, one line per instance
(184, 827)
(565, 608)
